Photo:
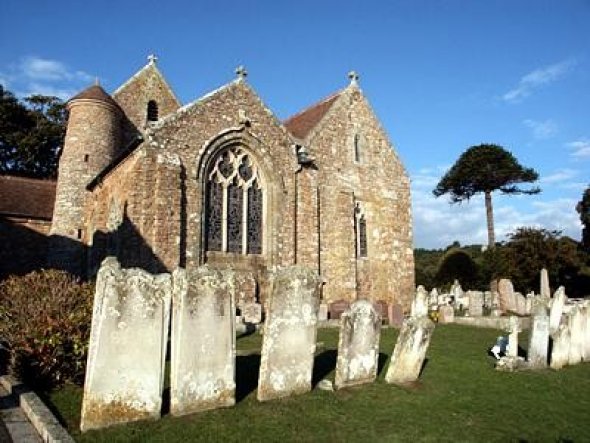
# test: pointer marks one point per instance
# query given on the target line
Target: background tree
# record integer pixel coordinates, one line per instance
(457, 264)
(583, 208)
(31, 134)
(484, 169)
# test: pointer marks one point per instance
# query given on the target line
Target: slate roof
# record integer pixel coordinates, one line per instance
(95, 92)
(301, 124)
(27, 197)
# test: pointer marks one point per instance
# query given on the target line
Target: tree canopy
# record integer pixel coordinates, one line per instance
(484, 169)
(31, 134)
(583, 208)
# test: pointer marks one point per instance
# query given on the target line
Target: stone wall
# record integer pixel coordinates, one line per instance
(24, 245)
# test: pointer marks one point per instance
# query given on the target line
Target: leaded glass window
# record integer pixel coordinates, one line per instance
(360, 230)
(234, 204)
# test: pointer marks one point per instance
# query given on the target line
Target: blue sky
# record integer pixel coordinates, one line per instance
(441, 76)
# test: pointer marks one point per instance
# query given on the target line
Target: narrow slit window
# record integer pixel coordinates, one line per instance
(357, 148)
(152, 111)
(86, 158)
(362, 232)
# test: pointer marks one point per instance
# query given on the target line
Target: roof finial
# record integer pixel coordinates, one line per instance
(241, 72)
(354, 77)
(152, 59)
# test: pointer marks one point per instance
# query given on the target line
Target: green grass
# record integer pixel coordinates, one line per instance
(460, 397)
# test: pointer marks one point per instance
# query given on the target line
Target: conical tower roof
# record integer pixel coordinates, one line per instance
(95, 92)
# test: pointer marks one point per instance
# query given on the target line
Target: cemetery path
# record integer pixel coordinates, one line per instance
(14, 426)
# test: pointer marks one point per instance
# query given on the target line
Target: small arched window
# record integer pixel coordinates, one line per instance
(152, 111)
(360, 225)
(357, 148)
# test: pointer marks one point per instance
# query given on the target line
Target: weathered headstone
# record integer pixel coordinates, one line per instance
(475, 303)
(127, 350)
(395, 313)
(557, 304)
(382, 309)
(576, 324)
(336, 309)
(252, 313)
(202, 363)
(519, 303)
(545, 290)
(410, 350)
(323, 312)
(433, 298)
(358, 345)
(506, 295)
(513, 330)
(561, 346)
(586, 312)
(246, 289)
(289, 340)
(539, 339)
(446, 314)
(420, 303)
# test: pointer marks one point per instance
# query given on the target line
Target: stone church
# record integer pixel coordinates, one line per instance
(223, 181)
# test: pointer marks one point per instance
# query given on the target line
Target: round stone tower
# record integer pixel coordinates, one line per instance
(92, 141)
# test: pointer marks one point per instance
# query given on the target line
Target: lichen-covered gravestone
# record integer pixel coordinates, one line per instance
(539, 339)
(125, 370)
(202, 365)
(475, 303)
(358, 345)
(513, 330)
(586, 312)
(559, 299)
(576, 324)
(506, 295)
(561, 346)
(289, 340)
(420, 303)
(446, 314)
(410, 350)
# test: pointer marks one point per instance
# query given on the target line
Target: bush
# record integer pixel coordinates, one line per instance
(45, 319)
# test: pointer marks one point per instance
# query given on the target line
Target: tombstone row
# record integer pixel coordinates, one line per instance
(129, 332)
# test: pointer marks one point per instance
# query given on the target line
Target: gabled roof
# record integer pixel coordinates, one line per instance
(301, 124)
(27, 197)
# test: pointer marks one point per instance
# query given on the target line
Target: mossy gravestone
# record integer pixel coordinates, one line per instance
(125, 370)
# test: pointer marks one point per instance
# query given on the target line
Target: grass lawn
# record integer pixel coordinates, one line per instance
(460, 397)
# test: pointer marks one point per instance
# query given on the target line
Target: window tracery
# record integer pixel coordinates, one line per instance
(234, 203)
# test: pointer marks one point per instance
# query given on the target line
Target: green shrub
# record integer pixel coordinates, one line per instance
(45, 318)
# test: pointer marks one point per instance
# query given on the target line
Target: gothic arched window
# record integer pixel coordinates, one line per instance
(233, 203)
(152, 111)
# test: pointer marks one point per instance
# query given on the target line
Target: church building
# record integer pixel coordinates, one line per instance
(222, 181)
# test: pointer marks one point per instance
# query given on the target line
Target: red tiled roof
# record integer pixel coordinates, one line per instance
(27, 197)
(303, 122)
(95, 92)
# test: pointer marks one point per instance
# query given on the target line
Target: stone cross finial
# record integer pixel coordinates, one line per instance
(152, 59)
(354, 77)
(96, 81)
(241, 72)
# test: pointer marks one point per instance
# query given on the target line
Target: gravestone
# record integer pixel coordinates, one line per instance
(358, 345)
(410, 350)
(446, 314)
(586, 312)
(202, 362)
(559, 299)
(382, 309)
(420, 303)
(513, 330)
(289, 339)
(252, 313)
(506, 295)
(336, 309)
(395, 313)
(561, 346)
(323, 312)
(576, 324)
(475, 303)
(520, 304)
(545, 290)
(127, 350)
(539, 339)
(245, 289)
(433, 298)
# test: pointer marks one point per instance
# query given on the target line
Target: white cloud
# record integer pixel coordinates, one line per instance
(37, 75)
(541, 129)
(580, 148)
(538, 78)
(559, 176)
